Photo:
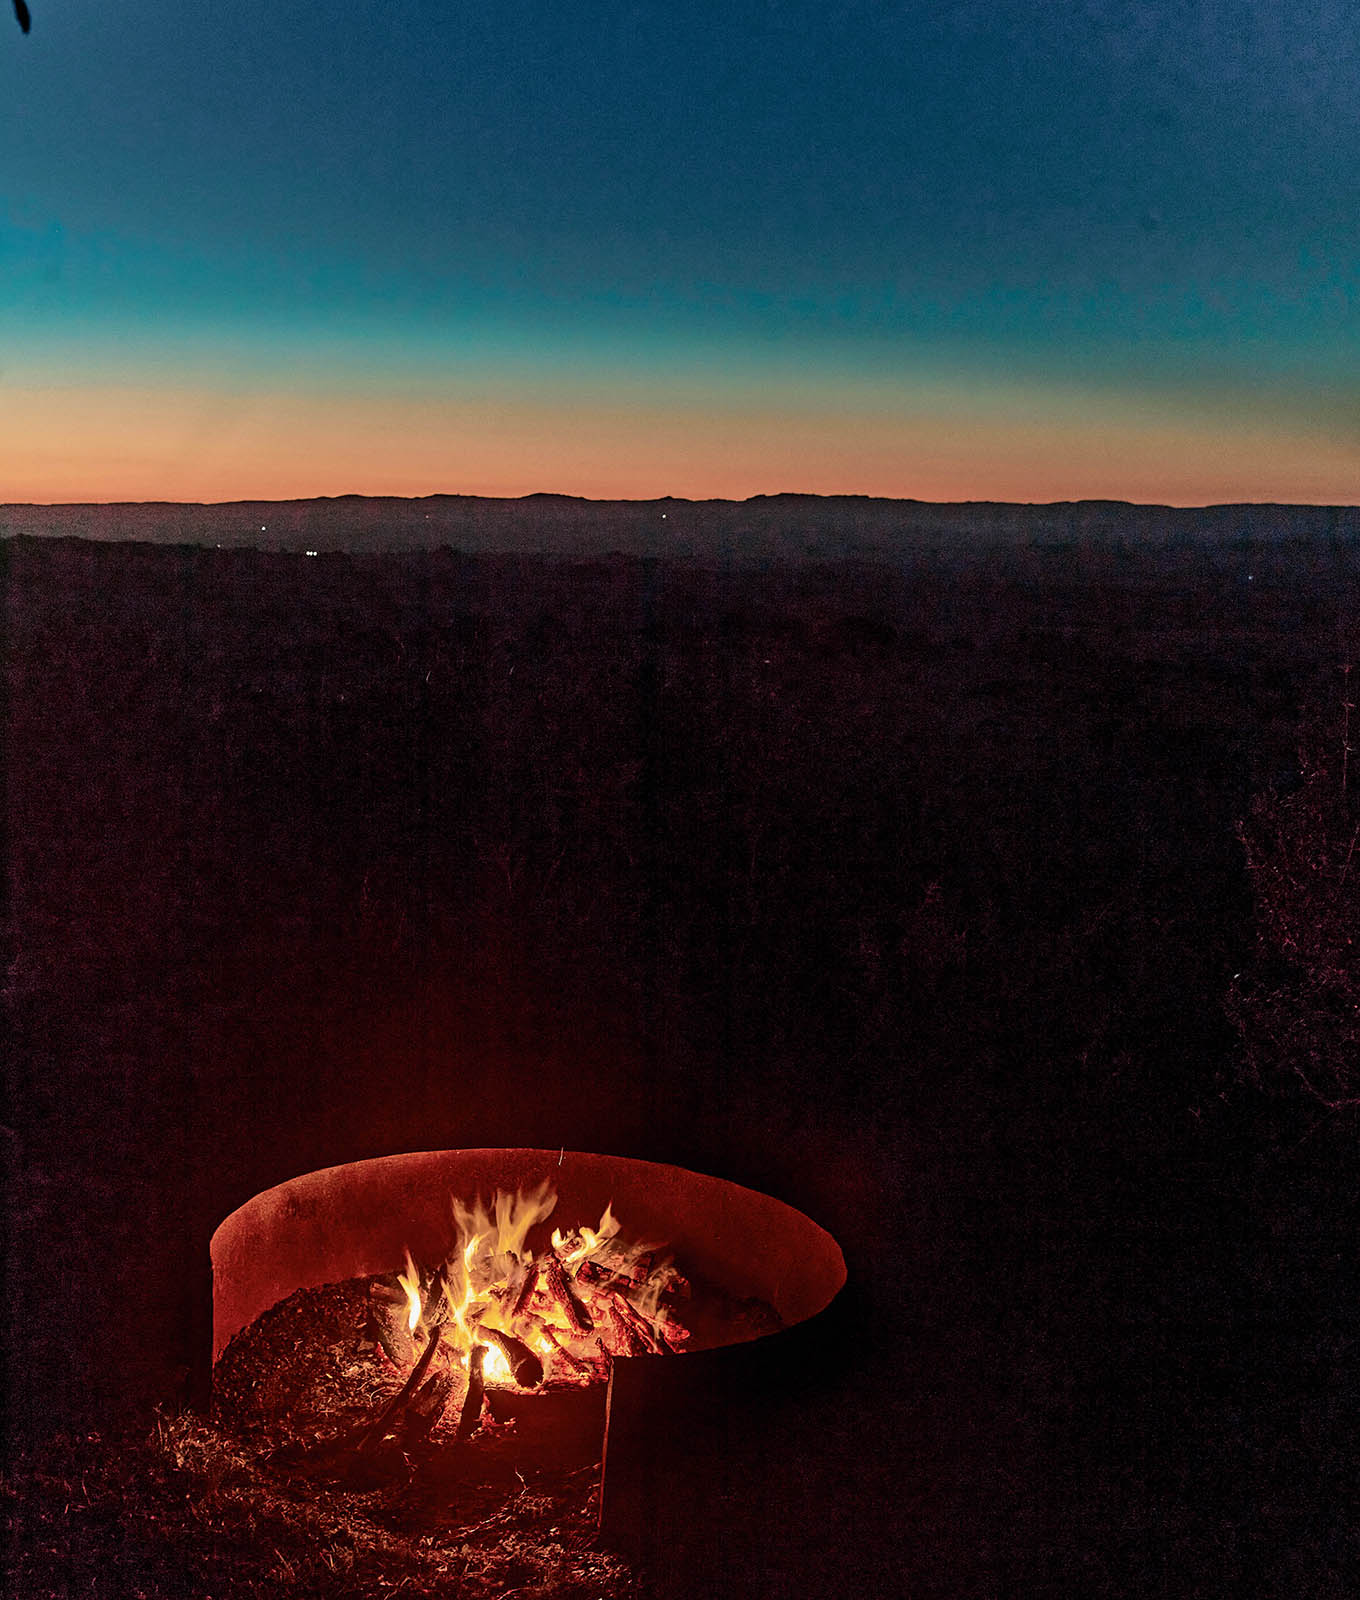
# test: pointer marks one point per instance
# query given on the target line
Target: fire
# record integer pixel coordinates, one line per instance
(410, 1281)
(495, 1368)
(589, 1240)
(556, 1314)
(458, 1291)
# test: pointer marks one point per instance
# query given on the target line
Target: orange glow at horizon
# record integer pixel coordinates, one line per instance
(124, 443)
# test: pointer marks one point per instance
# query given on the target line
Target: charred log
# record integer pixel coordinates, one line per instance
(526, 1289)
(385, 1325)
(525, 1366)
(471, 1413)
(397, 1404)
(434, 1305)
(633, 1319)
(559, 1288)
(425, 1409)
(582, 1368)
(625, 1340)
(610, 1273)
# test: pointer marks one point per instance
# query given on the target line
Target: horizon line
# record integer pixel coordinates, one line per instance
(708, 500)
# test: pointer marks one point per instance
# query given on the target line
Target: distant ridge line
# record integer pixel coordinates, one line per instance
(539, 496)
(776, 527)
(783, 497)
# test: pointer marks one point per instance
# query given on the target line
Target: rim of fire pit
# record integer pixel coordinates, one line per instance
(359, 1219)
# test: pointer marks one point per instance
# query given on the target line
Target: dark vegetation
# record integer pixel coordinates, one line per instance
(1298, 1005)
(910, 893)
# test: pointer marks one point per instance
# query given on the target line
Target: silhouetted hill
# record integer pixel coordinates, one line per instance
(764, 528)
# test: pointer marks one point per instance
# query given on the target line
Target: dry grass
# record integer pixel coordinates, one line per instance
(188, 1511)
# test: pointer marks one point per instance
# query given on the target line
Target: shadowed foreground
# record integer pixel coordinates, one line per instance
(907, 896)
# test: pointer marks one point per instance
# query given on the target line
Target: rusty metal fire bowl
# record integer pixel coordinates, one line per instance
(361, 1218)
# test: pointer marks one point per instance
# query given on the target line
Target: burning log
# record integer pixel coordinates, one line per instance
(525, 1366)
(581, 1367)
(471, 1413)
(434, 1306)
(385, 1326)
(625, 1338)
(633, 1319)
(526, 1289)
(561, 1292)
(615, 1272)
(518, 1286)
(674, 1335)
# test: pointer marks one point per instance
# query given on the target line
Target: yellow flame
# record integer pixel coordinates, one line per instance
(489, 1267)
(495, 1368)
(502, 1237)
(588, 1240)
(491, 1251)
(460, 1297)
(410, 1281)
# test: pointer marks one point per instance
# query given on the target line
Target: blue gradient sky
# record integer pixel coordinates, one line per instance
(951, 250)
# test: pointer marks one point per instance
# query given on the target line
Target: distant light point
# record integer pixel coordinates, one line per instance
(309, 552)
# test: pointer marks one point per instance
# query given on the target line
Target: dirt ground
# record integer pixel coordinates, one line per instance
(906, 893)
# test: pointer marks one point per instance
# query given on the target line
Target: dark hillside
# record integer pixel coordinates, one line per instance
(910, 895)
(763, 529)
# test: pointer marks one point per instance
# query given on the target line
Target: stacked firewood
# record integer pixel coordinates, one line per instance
(557, 1318)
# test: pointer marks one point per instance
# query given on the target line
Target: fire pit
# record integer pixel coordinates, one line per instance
(517, 1287)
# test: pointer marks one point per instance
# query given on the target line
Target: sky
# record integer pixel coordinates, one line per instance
(1023, 250)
